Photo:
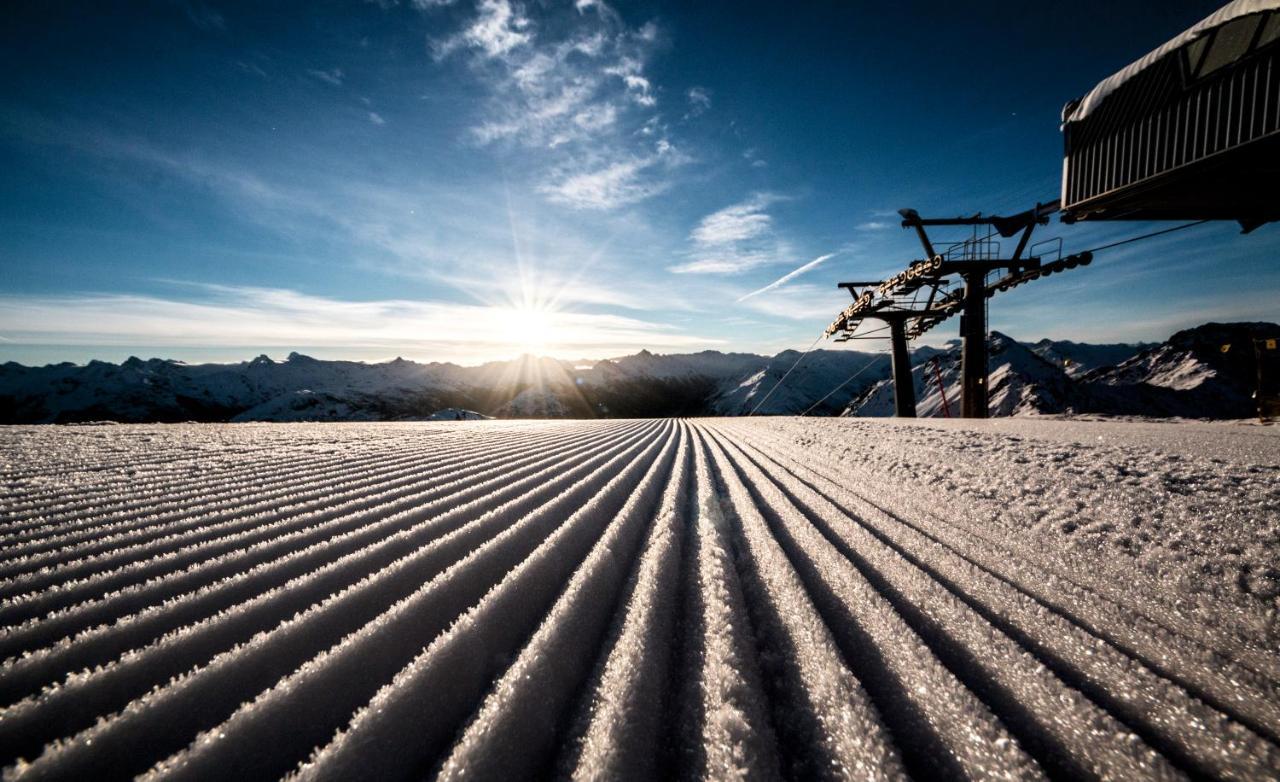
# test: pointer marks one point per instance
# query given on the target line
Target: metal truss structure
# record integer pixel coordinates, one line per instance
(952, 279)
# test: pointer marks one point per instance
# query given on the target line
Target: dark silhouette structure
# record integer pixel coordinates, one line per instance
(953, 280)
(1191, 131)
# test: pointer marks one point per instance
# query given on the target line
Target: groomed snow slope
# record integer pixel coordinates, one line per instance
(729, 598)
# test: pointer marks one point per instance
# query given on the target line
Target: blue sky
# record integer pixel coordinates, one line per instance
(465, 180)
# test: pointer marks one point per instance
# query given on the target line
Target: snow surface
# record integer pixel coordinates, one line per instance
(720, 598)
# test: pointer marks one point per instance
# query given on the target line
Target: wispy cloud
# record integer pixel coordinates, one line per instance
(699, 100)
(388, 228)
(737, 223)
(574, 87)
(203, 16)
(332, 76)
(249, 67)
(813, 305)
(229, 317)
(497, 28)
(789, 276)
(376, 118)
(735, 239)
(618, 183)
(874, 225)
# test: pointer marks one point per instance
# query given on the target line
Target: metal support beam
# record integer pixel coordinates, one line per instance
(970, 260)
(904, 388)
(973, 341)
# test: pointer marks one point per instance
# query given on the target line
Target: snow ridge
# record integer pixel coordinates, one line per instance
(724, 598)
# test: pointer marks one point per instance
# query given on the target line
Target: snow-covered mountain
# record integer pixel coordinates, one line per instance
(297, 389)
(1190, 376)
(1187, 376)
(1079, 358)
(1021, 383)
(814, 377)
(1210, 371)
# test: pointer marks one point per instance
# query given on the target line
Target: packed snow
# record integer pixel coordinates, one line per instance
(635, 599)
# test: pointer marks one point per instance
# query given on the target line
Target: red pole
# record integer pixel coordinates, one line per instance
(946, 407)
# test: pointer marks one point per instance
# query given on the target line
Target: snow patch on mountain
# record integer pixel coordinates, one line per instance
(816, 375)
(1021, 383)
(1191, 375)
(1077, 358)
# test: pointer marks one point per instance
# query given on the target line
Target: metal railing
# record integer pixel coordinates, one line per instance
(1228, 111)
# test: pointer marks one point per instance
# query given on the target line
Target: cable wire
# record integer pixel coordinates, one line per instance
(1099, 248)
(785, 375)
(1145, 236)
(865, 367)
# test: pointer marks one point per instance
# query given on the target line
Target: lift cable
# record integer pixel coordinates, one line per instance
(869, 363)
(1145, 236)
(784, 376)
(865, 367)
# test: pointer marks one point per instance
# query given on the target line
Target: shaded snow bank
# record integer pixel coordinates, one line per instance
(1194, 506)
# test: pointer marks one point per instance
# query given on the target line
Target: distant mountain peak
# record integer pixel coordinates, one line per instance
(1209, 371)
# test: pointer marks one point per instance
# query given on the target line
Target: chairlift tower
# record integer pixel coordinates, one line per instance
(896, 301)
(973, 271)
(897, 320)
(1191, 131)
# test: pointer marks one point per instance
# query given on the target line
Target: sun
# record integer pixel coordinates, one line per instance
(534, 329)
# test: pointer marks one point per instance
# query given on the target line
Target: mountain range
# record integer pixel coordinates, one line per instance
(1190, 375)
(1206, 372)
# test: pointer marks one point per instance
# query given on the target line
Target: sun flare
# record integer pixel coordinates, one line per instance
(535, 329)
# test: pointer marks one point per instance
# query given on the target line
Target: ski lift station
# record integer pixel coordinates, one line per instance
(1188, 132)
(1191, 131)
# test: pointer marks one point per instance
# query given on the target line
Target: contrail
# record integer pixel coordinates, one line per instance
(790, 275)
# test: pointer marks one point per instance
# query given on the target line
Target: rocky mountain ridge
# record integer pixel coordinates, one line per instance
(1189, 375)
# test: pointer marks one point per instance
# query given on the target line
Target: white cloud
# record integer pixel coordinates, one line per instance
(203, 16)
(498, 28)
(332, 76)
(620, 183)
(630, 70)
(874, 225)
(376, 118)
(230, 317)
(801, 302)
(789, 276)
(699, 100)
(573, 85)
(595, 118)
(736, 223)
(734, 239)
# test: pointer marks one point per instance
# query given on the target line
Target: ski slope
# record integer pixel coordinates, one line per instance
(729, 598)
